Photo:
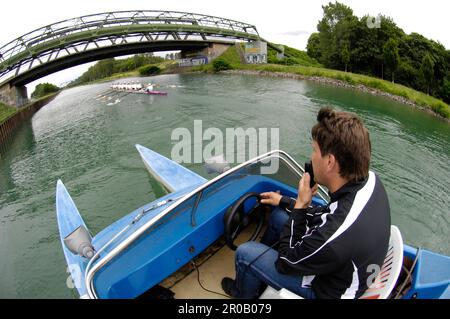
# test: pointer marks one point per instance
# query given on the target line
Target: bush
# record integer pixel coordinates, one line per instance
(403, 93)
(290, 61)
(375, 84)
(221, 65)
(349, 80)
(149, 70)
(441, 108)
(44, 89)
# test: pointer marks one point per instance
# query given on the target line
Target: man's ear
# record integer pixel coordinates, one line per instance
(331, 162)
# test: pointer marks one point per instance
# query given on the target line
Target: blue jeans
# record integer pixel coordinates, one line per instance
(255, 263)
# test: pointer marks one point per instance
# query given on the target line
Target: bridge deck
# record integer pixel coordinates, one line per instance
(38, 53)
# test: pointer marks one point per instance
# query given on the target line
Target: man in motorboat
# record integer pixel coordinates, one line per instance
(326, 251)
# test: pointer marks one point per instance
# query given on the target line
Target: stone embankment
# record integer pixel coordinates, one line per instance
(8, 126)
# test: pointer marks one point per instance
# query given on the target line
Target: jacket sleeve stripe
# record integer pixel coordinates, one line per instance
(333, 207)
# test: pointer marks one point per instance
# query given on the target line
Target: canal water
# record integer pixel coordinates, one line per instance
(88, 142)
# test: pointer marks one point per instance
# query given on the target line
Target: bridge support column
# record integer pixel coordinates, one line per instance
(13, 95)
(211, 52)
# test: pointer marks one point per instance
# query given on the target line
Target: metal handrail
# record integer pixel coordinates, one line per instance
(57, 28)
(25, 52)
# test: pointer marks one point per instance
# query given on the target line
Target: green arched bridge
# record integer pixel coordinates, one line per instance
(89, 38)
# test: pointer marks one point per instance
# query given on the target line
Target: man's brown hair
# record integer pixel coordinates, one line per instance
(343, 134)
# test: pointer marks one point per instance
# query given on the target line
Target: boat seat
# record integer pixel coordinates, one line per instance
(283, 293)
(383, 284)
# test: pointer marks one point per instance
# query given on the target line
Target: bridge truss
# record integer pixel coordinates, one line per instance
(92, 37)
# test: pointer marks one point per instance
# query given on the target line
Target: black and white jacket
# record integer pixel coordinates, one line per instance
(337, 247)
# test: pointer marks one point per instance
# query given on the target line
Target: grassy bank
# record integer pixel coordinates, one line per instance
(439, 107)
(6, 112)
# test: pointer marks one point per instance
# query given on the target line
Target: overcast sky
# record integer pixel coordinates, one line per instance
(286, 22)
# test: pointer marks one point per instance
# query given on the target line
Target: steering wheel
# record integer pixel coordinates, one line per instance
(236, 219)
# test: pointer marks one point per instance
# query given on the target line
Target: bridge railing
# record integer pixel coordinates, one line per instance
(27, 42)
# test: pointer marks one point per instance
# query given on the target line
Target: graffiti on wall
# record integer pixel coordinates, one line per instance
(256, 52)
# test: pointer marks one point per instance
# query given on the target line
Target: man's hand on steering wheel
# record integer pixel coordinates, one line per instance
(236, 219)
(271, 198)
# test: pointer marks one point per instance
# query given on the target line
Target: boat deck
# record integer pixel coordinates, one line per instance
(214, 264)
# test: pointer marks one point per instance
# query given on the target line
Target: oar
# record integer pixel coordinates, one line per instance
(121, 96)
(109, 94)
(108, 90)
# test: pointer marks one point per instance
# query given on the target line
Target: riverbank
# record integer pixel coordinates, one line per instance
(361, 82)
(6, 112)
(339, 83)
(12, 117)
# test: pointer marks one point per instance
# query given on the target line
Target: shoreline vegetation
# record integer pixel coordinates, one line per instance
(6, 111)
(111, 69)
(11, 117)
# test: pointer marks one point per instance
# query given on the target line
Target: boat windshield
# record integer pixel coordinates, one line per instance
(276, 171)
(203, 209)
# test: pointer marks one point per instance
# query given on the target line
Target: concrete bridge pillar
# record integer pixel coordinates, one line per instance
(211, 52)
(13, 95)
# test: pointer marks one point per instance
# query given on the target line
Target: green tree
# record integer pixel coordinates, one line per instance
(345, 56)
(374, 49)
(149, 70)
(427, 70)
(313, 46)
(373, 40)
(334, 31)
(44, 89)
(390, 56)
(445, 89)
(105, 67)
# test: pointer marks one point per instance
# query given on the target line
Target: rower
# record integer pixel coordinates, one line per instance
(149, 87)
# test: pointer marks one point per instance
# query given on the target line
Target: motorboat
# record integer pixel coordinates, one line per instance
(197, 224)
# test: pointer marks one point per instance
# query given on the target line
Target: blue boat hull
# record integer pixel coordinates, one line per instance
(158, 239)
(431, 275)
(70, 219)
